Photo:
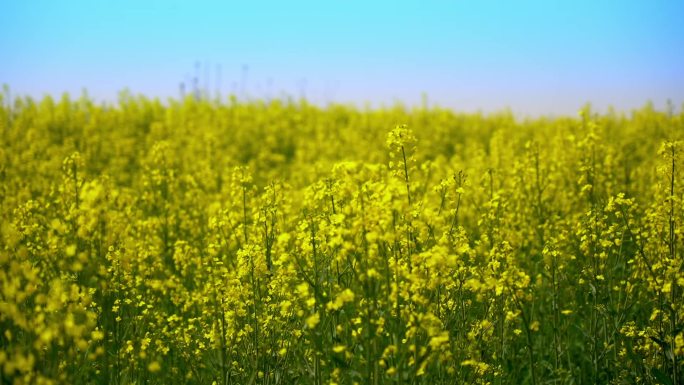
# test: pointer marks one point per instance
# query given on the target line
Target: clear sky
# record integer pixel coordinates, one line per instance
(536, 57)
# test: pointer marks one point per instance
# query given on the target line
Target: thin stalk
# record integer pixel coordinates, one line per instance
(406, 175)
(673, 253)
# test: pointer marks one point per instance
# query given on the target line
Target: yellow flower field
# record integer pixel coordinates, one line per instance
(198, 242)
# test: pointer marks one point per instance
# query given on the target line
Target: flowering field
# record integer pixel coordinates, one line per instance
(282, 243)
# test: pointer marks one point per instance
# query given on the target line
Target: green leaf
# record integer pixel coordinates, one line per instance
(661, 377)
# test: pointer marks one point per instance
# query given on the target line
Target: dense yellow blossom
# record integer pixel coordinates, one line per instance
(194, 242)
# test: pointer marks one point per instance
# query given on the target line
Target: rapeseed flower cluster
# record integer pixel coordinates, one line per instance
(195, 242)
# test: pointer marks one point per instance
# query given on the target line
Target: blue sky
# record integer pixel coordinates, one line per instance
(536, 57)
